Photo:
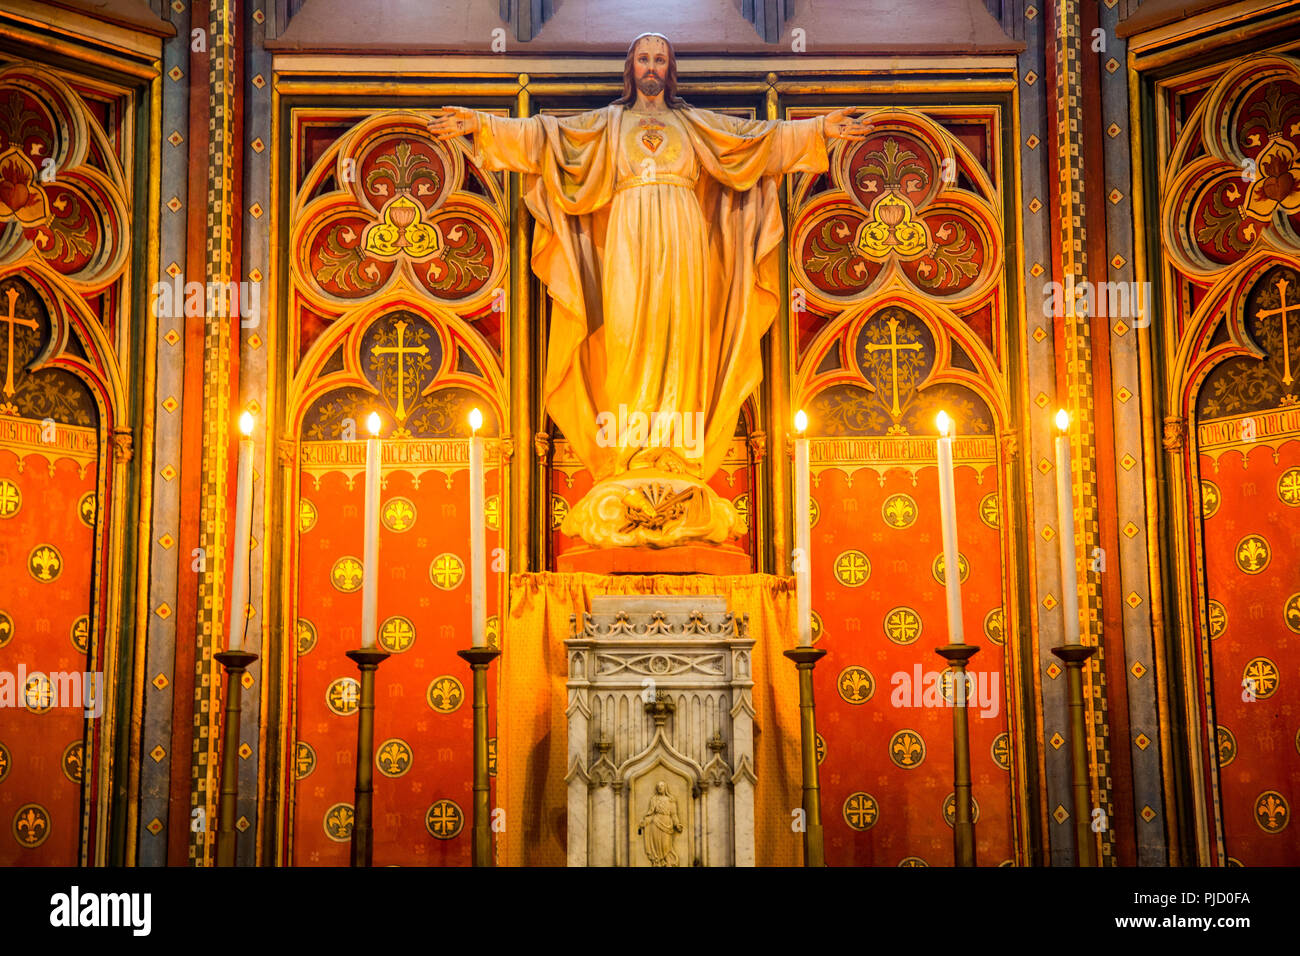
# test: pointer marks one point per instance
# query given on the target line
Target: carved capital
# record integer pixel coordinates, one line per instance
(1010, 446)
(758, 445)
(507, 446)
(286, 451)
(542, 445)
(123, 445)
(1175, 433)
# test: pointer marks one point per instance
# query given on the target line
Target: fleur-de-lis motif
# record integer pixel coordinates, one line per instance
(394, 758)
(72, 762)
(1227, 745)
(899, 511)
(856, 684)
(1252, 554)
(338, 822)
(445, 694)
(45, 563)
(31, 825)
(1291, 612)
(907, 749)
(1271, 811)
(399, 515)
(347, 574)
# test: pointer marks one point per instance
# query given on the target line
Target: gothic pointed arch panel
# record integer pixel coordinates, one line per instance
(899, 311)
(1232, 427)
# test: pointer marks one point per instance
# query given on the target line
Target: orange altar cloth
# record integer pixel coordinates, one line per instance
(532, 728)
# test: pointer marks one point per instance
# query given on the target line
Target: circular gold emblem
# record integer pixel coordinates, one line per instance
(1261, 677)
(346, 574)
(72, 760)
(304, 759)
(1290, 613)
(31, 825)
(1227, 745)
(821, 748)
(396, 634)
(902, 625)
(398, 514)
(852, 568)
(1272, 812)
(80, 634)
(950, 810)
(393, 758)
(814, 511)
(856, 684)
(990, 512)
(446, 571)
(306, 515)
(907, 749)
(741, 504)
(86, 509)
(38, 693)
(45, 563)
(492, 513)
(1001, 750)
(445, 694)
(338, 822)
(1253, 554)
(6, 628)
(963, 568)
(861, 811)
(912, 861)
(559, 511)
(444, 819)
(343, 696)
(1218, 619)
(1288, 487)
(899, 511)
(306, 635)
(993, 628)
(11, 499)
(816, 624)
(4, 762)
(1210, 498)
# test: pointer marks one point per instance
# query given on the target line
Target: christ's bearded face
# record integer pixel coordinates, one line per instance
(650, 65)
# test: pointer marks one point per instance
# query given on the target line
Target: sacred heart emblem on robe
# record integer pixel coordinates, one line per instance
(652, 134)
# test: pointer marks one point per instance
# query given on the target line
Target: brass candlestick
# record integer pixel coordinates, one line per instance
(235, 663)
(367, 660)
(814, 848)
(1074, 656)
(479, 658)
(963, 828)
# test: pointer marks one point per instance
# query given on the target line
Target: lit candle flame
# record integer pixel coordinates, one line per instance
(246, 423)
(475, 420)
(800, 421)
(944, 423)
(1063, 420)
(373, 423)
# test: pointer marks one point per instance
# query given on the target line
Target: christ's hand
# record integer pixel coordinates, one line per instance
(453, 121)
(842, 124)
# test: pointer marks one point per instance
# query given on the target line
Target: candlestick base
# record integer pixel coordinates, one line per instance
(234, 663)
(814, 848)
(1075, 656)
(963, 828)
(367, 660)
(479, 658)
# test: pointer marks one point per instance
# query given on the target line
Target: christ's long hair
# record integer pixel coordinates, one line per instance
(670, 76)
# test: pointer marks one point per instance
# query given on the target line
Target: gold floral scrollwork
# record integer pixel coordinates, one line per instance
(891, 228)
(401, 231)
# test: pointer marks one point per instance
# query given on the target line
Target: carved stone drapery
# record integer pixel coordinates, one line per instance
(661, 766)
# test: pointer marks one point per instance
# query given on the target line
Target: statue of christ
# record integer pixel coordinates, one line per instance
(657, 233)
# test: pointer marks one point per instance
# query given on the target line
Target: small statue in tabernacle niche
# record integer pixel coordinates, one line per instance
(660, 826)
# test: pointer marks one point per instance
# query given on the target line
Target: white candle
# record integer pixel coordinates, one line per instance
(1065, 518)
(243, 533)
(477, 544)
(803, 533)
(948, 514)
(370, 556)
